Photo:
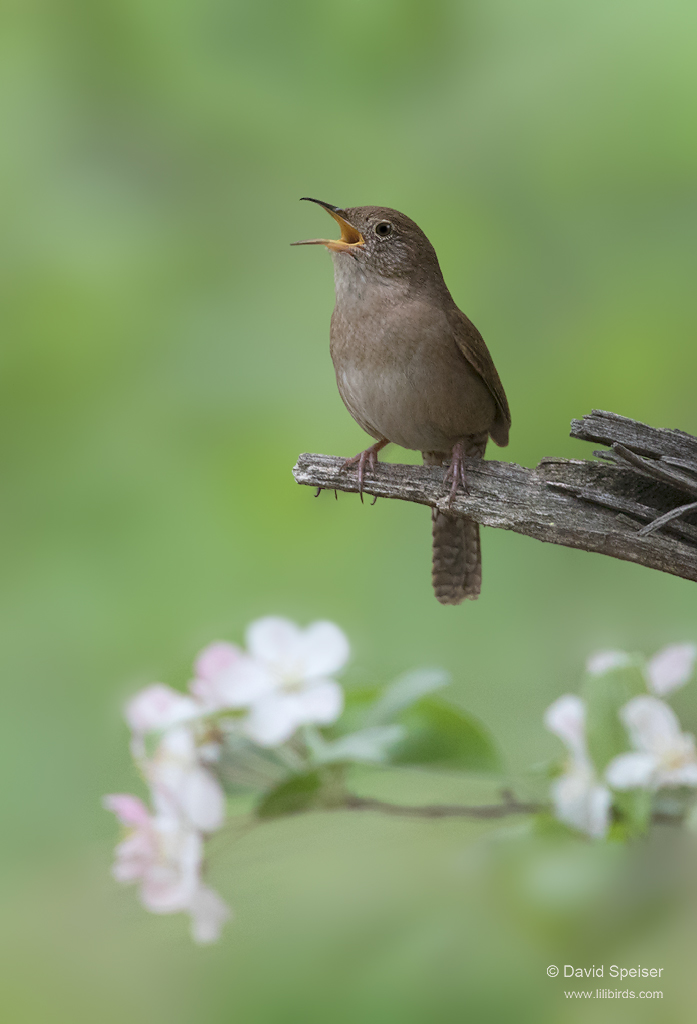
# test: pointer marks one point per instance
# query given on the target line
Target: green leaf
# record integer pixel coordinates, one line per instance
(405, 691)
(604, 696)
(367, 746)
(298, 793)
(442, 736)
(245, 767)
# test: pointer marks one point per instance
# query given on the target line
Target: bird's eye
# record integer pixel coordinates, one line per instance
(383, 229)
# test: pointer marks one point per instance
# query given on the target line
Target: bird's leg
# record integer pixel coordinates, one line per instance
(370, 456)
(455, 473)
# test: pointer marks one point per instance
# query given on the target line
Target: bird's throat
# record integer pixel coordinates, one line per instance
(357, 283)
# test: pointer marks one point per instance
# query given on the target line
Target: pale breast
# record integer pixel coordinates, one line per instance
(402, 376)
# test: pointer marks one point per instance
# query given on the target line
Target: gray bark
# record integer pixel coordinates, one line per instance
(647, 478)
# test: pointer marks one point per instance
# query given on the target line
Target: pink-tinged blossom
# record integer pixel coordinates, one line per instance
(159, 707)
(130, 810)
(227, 678)
(180, 783)
(579, 798)
(670, 669)
(607, 661)
(283, 678)
(216, 658)
(163, 854)
(296, 665)
(663, 755)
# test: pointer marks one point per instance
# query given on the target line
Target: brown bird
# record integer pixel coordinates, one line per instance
(412, 369)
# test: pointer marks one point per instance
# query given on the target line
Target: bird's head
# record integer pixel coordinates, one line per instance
(378, 240)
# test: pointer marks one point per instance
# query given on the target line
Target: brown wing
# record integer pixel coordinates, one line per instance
(471, 344)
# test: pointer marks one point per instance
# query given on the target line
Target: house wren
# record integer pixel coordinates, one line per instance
(412, 369)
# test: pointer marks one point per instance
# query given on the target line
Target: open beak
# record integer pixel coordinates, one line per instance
(351, 239)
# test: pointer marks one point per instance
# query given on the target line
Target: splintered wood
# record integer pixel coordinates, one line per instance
(630, 505)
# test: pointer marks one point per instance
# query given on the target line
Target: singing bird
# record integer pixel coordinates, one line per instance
(412, 369)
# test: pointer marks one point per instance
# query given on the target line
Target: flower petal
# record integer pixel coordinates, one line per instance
(670, 668)
(216, 658)
(631, 771)
(130, 810)
(169, 885)
(134, 856)
(274, 640)
(273, 719)
(202, 799)
(244, 682)
(159, 707)
(599, 804)
(238, 686)
(566, 718)
(320, 704)
(580, 802)
(212, 685)
(164, 793)
(606, 661)
(653, 726)
(209, 912)
(166, 771)
(178, 745)
(325, 649)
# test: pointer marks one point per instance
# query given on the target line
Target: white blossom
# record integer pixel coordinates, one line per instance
(159, 707)
(179, 780)
(579, 797)
(607, 661)
(663, 755)
(227, 677)
(670, 669)
(285, 679)
(282, 681)
(209, 912)
(163, 854)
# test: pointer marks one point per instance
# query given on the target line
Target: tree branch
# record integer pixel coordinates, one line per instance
(510, 806)
(483, 811)
(595, 506)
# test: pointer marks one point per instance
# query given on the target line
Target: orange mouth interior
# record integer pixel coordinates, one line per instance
(351, 238)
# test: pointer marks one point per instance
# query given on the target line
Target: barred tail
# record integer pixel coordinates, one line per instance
(457, 559)
(457, 554)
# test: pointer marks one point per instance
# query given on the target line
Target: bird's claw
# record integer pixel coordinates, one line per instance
(369, 457)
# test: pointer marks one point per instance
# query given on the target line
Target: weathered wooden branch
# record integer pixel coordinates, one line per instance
(631, 505)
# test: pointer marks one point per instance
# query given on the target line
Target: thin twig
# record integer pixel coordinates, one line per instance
(511, 806)
(674, 513)
(481, 811)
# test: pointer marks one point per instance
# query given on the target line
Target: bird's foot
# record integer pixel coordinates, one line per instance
(455, 473)
(369, 457)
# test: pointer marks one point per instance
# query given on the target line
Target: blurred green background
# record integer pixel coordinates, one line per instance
(165, 359)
